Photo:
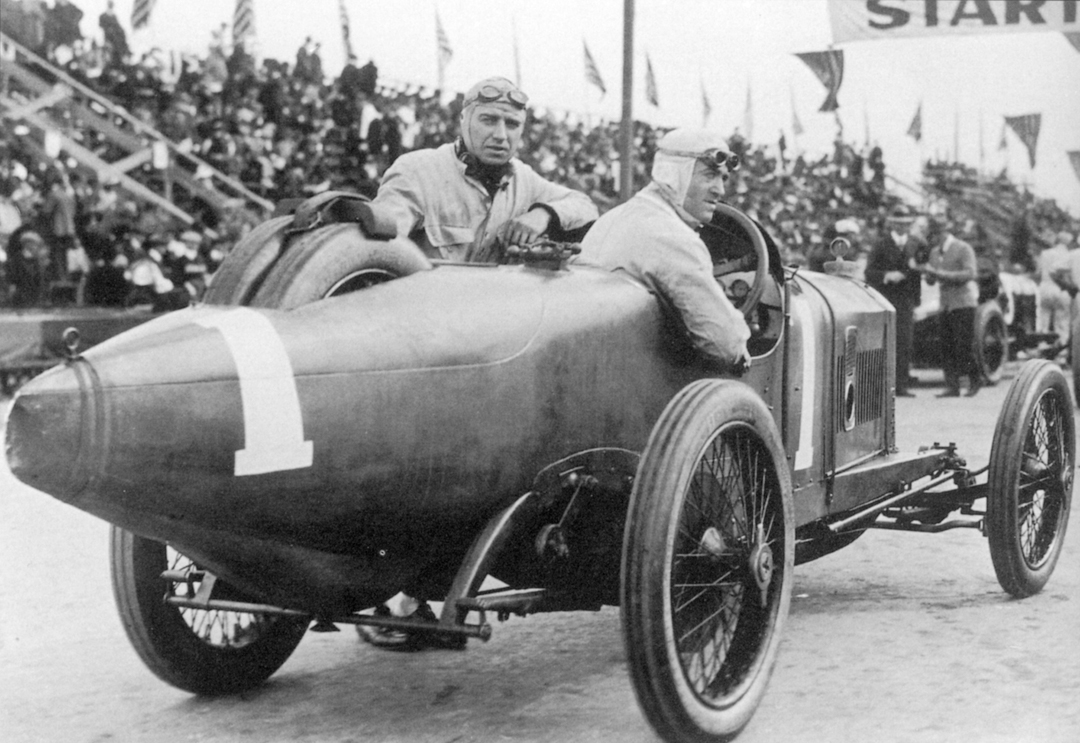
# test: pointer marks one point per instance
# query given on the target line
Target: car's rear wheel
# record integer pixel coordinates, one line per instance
(201, 651)
(991, 341)
(335, 260)
(708, 559)
(1031, 478)
(244, 268)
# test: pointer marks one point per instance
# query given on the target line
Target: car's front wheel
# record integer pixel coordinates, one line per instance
(1030, 479)
(708, 559)
(198, 650)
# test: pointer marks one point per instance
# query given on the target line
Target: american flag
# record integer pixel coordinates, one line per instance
(592, 72)
(243, 25)
(650, 84)
(445, 51)
(343, 17)
(140, 13)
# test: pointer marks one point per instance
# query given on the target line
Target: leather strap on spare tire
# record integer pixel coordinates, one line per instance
(337, 207)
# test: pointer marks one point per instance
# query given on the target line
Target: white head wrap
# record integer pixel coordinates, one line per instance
(673, 165)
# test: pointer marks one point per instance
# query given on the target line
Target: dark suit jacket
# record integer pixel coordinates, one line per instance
(887, 256)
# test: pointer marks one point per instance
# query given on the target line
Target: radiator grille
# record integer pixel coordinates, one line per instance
(867, 396)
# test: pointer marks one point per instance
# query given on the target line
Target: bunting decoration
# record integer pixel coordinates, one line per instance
(650, 84)
(444, 52)
(1074, 158)
(346, 35)
(1027, 128)
(829, 68)
(243, 27)
(140, 13)
(706, 107)
(914, 130)
(592, 72)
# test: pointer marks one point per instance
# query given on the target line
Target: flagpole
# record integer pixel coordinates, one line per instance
(626, 126)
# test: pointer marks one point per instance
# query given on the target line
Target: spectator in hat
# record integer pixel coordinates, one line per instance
(891, 269)
(469, 199)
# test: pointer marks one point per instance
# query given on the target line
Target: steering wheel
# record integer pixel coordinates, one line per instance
(749, 302)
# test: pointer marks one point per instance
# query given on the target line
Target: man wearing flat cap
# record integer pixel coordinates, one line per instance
(469, 199)
(654, 238)
(891, 270)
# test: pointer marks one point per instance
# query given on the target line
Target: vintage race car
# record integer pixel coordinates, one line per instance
(344, 419)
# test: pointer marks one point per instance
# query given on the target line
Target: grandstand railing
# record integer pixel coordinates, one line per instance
(36, 107)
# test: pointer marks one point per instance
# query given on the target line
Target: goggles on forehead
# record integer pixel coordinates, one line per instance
(494, 94)
(714, 157)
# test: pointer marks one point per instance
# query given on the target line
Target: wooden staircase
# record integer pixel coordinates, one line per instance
(50, 103)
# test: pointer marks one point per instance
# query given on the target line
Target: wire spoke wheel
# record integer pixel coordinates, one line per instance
(205, 652)
(220, 629)
(1031, 477)
(707, 563)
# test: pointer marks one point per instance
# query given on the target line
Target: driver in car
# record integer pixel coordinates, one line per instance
(654, 238)
(469, 199)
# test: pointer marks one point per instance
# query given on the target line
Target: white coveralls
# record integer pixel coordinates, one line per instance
(646, 238)
(429, 189)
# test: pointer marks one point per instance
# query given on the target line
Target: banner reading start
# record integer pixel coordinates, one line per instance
(860, 20)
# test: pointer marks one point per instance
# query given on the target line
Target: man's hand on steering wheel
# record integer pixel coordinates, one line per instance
(526, 229)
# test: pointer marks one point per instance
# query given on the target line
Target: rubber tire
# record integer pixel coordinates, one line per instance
(1074, 349)
(244, 268)
(321, 262)
(165, 642)
(695, 417)
(991, 341)
(1036, 407)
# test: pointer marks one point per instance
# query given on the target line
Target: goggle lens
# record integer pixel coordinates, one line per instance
(491, 94)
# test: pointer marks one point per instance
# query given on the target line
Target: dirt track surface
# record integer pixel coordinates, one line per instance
(899, 637)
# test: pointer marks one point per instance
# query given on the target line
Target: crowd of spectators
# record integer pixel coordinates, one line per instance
(288, 130)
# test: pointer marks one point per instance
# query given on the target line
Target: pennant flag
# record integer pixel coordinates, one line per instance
(1074, 158)
(517, 58)
(140, 13)
(796, 125)
(444, 52)
(592, 72)
(1074, 39)
(829, 68)
(243, 25)
(1027, 128)
(346, 36)
(650, 84)
(748, 115)
(706, 107)
(914, 130)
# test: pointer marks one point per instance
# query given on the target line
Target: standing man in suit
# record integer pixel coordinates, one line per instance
(891, 269)
(952, 262)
